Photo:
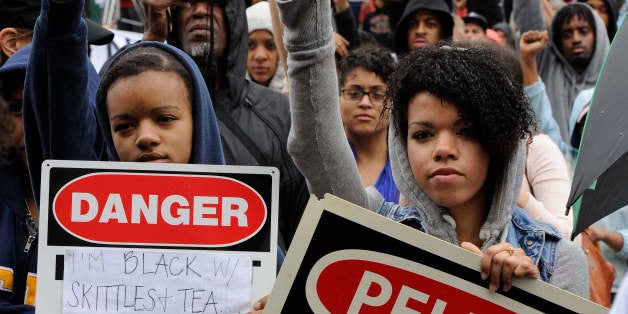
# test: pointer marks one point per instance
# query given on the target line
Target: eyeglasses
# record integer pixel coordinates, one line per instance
(377, 95)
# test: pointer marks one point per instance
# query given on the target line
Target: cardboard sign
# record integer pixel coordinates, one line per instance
(156, 209)
(106, 281)
(351, 260)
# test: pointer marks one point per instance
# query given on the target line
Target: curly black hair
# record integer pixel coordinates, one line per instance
(373, 59)
(565, 15)
(473, 81)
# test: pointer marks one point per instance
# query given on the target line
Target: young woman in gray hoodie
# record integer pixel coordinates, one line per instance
(455, 144)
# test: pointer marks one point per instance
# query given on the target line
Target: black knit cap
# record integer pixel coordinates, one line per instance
(24, 13)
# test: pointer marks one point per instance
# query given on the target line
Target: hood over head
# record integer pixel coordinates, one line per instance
(562, 80)
(206, 145)
(578, 112)
(602, 43)
(613, 12)
(237, 43)
(19, 60)
(439, 7)
(258, 18)
(504, 176)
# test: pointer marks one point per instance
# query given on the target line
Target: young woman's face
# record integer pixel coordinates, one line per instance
(447, 160)
(150, 116)
(263, 57)
(361, 115)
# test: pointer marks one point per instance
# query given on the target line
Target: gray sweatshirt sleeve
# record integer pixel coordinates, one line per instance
(528, 15)
(317, 141)
(571, 269)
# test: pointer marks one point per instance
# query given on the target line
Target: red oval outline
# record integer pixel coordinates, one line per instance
(263, 222)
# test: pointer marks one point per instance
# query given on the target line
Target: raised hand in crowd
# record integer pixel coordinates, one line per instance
(548, 11)
(156, 17)
(342, 45)
(341, 5)
(530, 44)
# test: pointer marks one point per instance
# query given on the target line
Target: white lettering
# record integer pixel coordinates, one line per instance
(183, 211)
(234, 207)
(149, 211)
(361, 294)
(174, 209)
(200, 210)
(406, 294)
(113, 210)
(92, 207)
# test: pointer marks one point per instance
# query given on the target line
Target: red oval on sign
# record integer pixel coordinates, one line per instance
(371, 286)
(156, 209)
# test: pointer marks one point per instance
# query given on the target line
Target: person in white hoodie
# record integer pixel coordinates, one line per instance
(262, 64)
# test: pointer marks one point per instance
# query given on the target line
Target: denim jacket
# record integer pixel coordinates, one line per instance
(538, 240)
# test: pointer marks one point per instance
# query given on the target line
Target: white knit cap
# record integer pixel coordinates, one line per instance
(258, 17)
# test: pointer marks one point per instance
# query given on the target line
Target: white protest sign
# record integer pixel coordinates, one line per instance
(127, 280)
(175, 208)
(352, 260)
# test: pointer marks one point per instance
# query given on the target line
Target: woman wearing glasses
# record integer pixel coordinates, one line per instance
(363, 81)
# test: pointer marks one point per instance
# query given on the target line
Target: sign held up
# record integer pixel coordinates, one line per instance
(148, 227)
(351, 260)
(114, 281)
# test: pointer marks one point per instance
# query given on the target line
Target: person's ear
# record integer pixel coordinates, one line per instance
(8, 40)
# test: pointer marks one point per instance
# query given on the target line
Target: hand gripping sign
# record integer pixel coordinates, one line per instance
(351, 260)
(146, 210)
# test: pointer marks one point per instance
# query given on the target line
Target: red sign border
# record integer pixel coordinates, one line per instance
(158, 244)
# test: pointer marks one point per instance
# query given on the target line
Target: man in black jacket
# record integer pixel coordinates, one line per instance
(254, 121)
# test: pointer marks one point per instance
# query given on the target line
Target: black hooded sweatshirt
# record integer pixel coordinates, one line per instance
(439, 7)
(254, 121)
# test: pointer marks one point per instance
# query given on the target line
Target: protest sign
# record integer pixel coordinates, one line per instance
(106, 281)
(351, 260)
(155, 209)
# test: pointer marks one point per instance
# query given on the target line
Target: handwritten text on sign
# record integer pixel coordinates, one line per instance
(122, 281)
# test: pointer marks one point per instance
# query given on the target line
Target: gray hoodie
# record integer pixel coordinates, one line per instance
(326, 161)
(562, 81)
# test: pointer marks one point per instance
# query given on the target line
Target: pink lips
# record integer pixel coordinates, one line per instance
(260, 69)
(364, 117)
(445, 175)
(199, 27)
(151, 157)
(577, 50)
(420, 42)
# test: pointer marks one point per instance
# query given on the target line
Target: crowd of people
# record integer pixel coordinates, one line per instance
(459, 118)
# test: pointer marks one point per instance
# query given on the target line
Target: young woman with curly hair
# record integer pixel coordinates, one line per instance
(456, 145)
(363, 78)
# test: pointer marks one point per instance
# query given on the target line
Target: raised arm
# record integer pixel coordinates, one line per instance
(531, 44)
(317, 142)
(59, 119)
(156, 17)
